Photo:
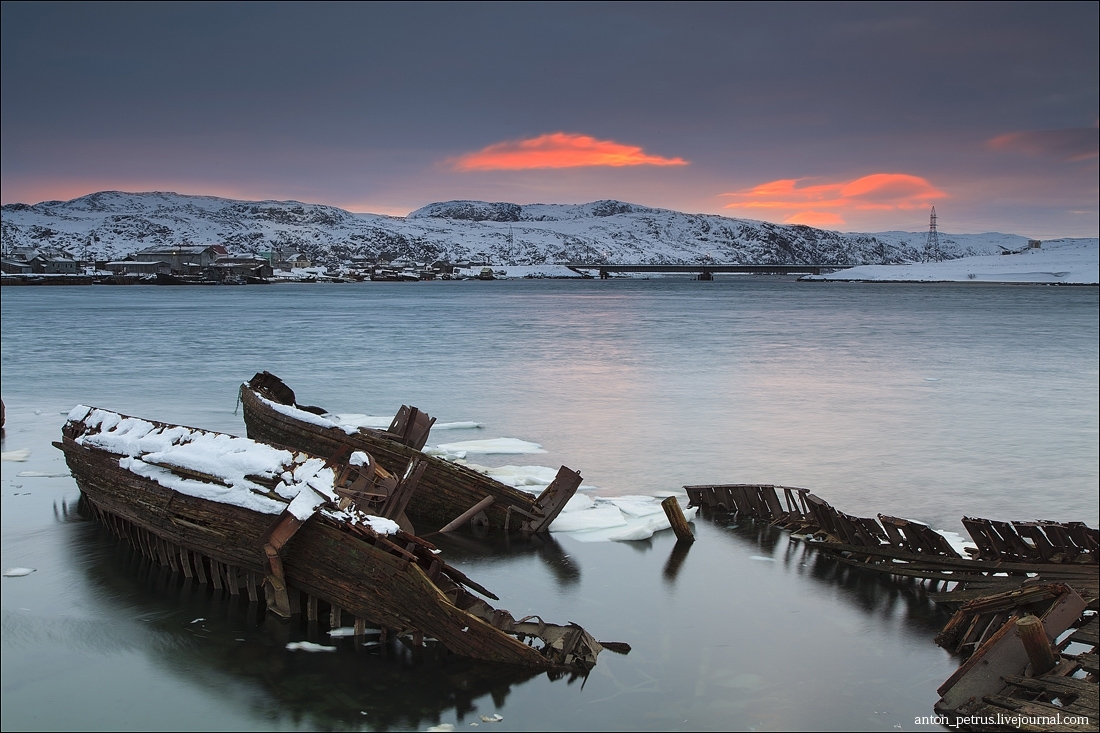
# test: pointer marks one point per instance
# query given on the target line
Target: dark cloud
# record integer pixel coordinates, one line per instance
(351, 102)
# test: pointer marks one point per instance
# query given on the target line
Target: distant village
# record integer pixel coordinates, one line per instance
(211, 264)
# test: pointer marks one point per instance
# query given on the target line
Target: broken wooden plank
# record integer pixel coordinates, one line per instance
(1002, 654)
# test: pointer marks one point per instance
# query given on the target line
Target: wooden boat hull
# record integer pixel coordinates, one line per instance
(380, 580)
(445, 490)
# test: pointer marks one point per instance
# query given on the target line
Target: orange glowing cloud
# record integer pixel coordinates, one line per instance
(1070, 144)
(815, 219)
(881, 191)
(557, 150)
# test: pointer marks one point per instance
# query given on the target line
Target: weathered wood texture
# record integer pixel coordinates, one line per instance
(1003, 653)
(998, 689)
(1059, 552)
(396, 582)
(977, 619)
(676, 518)
(445, 490)
(1036, 644)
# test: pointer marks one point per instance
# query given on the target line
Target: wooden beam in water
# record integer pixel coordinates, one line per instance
(676, 518)
(467, 515)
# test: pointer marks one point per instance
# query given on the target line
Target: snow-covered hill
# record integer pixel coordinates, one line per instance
(112, 224)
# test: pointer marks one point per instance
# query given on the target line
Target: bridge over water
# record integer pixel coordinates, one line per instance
(704, 271)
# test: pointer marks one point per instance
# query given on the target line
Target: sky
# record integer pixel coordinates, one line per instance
(855, 117)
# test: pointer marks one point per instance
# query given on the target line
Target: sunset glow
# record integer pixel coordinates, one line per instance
(878, 191)
(815, 219)
(856, 122)
(558, 150)
(1070, 144)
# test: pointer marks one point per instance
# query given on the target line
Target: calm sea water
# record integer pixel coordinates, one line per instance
(928, 402)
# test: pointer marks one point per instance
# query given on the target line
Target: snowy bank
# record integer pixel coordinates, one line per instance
(1063, 261)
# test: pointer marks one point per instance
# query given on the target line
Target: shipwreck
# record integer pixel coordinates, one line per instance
(445, 489)
(1025, 598)
(302, 532)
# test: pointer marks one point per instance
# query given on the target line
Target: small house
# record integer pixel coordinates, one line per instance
(47, 265)
(183, 259)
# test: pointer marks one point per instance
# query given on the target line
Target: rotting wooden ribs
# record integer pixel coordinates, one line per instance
(1007, 554)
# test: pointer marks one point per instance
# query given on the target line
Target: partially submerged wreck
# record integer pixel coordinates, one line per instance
(445, 489)
(1026, 599)
(301, 531)
(1006, 555)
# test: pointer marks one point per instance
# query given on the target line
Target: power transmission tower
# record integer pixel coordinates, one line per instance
(932, 245)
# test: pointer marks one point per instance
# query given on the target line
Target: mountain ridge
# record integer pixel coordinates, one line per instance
(113, 224)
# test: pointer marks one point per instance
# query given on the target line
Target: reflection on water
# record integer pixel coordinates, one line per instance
(486, 547)
(894, 599)
(208, 635)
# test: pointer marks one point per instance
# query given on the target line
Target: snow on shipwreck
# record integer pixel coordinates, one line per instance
(272, 414)
(244, 515)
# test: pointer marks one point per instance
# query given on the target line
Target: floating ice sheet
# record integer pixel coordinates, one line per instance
(958, 543)
(492, 446)
(615, 519)
(519, 477)
(586, 520)
(17, 572)
(637, 506)
(308, 646)
(346, 631)
(356, 420)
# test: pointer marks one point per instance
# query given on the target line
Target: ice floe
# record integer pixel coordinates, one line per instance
(308, 646)
(958, 543)
(615, 519)
(355, 420)
(17, 572)
(351, 422)
(346, 631)
(491, 446)
(19, 455)
(600, 517)
(530, 478)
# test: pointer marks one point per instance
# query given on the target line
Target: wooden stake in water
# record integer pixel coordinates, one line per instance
(676, 519)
